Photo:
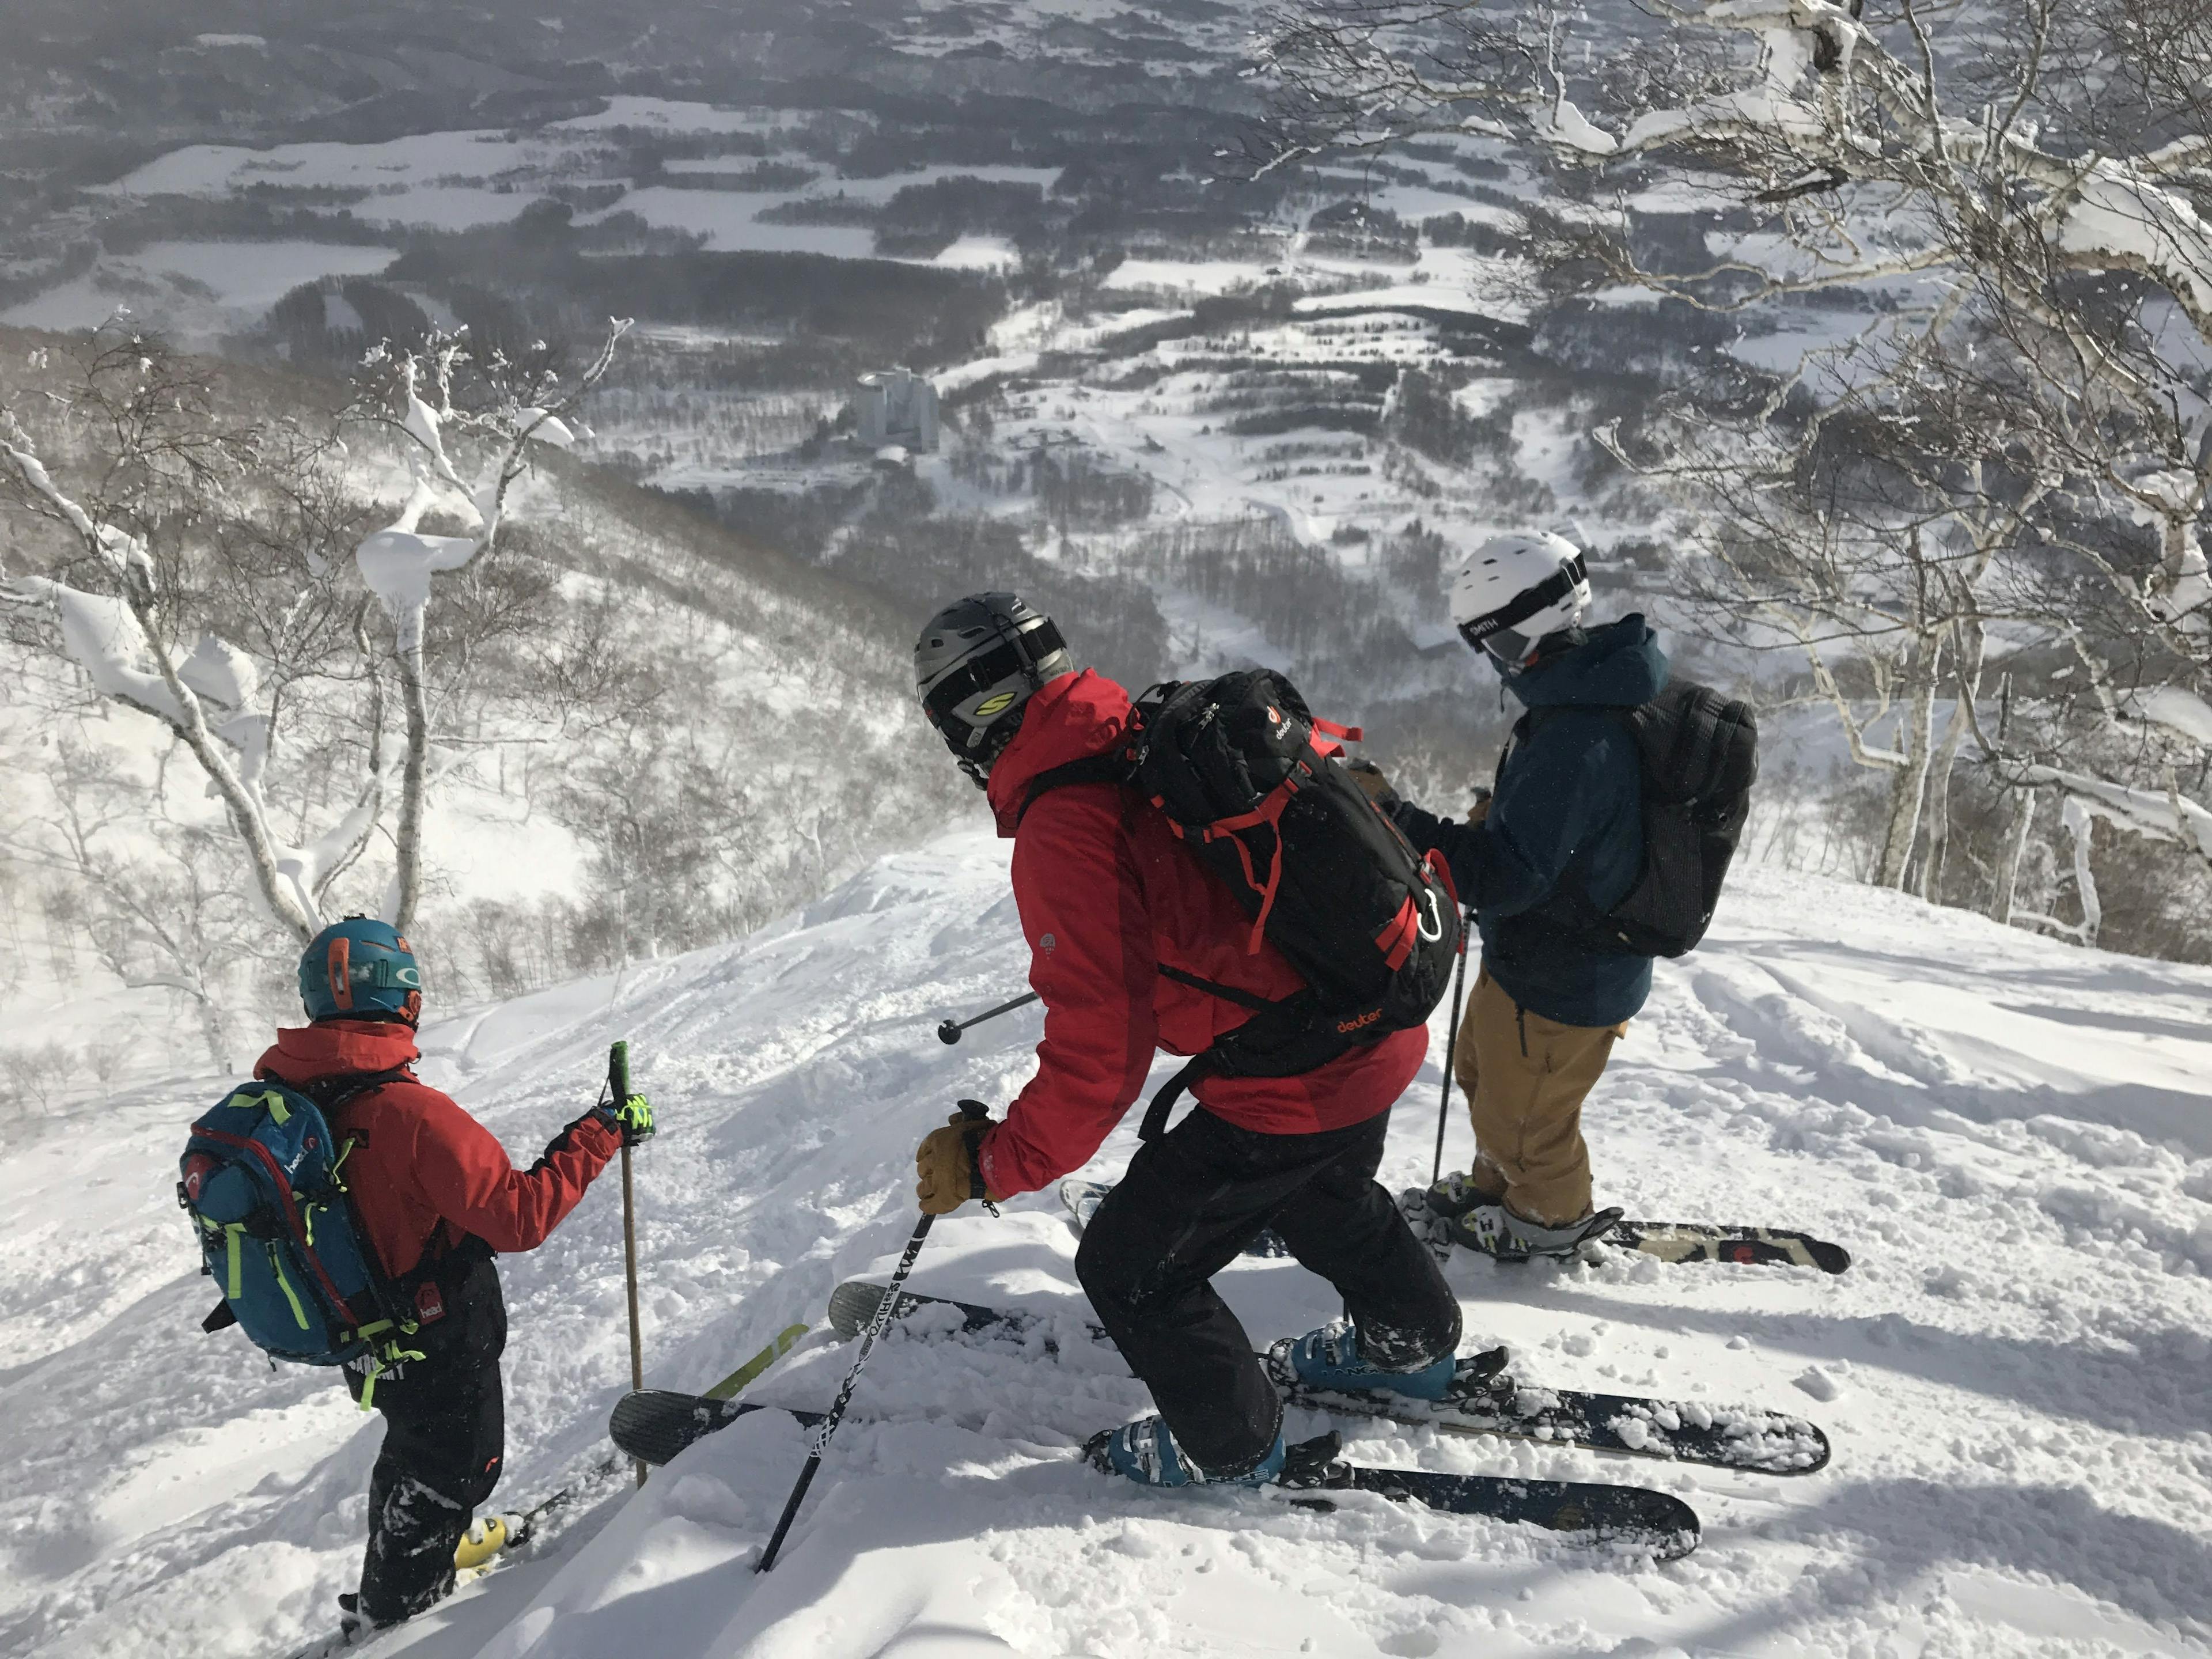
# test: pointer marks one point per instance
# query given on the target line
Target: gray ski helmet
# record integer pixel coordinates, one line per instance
(975, 666)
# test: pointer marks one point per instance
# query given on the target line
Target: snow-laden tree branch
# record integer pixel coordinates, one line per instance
(398, 562)
(2022, 194)
(116, 639)
(150, 495)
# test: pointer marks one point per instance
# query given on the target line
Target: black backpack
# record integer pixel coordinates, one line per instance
(1249, 778)
(1699, 755)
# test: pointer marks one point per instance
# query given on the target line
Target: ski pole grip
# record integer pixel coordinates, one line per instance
(973, 1110)
(618, 1072)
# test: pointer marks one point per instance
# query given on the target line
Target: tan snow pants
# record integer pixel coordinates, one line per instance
(1526, 1078)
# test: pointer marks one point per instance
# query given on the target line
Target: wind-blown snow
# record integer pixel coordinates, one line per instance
(2012, 1137)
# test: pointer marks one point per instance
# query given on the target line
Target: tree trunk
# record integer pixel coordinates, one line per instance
(407, 875)
(2082, 824)
(1966, 672)
(2005, 899)
(1910, 786)
(211, 1033)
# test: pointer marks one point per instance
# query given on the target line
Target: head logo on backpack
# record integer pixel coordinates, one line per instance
(263, 1184)
(1247, 778)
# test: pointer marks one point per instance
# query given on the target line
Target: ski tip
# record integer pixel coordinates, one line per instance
(1828, 1258)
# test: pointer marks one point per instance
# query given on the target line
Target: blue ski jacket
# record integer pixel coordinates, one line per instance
(1567, 814)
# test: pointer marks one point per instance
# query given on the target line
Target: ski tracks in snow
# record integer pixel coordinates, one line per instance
(2009, 1135)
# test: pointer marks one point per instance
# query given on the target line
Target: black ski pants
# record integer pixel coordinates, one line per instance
(1192, 1199)
(445, 1429)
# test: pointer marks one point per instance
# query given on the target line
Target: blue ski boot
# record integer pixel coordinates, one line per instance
(1329, 1360)
(1145, 1451)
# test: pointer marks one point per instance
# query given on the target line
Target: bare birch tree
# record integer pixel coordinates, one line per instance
(2018, 192)
(171, 496)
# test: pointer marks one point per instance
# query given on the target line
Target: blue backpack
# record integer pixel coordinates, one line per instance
(277, 1231)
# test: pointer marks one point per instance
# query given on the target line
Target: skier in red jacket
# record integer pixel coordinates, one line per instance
(1114, 907)
(438, 1198)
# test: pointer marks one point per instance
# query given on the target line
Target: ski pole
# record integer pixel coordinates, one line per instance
(949, 1031)
(618, 1082)
(1451, 1046)
(883, 1318)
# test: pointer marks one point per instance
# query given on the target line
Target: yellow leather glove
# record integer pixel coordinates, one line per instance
(945, 1163)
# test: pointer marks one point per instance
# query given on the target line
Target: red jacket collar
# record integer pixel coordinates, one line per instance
(334, 1048)
(1069, 718)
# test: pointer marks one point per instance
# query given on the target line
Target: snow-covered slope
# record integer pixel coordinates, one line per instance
(2012, 1137)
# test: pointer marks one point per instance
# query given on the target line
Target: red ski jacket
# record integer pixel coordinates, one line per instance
(1107, 896)
(423, 1170)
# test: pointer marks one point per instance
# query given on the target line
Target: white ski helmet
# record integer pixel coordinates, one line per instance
(1514, 590)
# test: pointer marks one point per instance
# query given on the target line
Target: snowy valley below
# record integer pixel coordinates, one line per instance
(2011, 1136)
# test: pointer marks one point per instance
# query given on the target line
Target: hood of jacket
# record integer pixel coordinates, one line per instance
(1617, 665)
(336, 1048)
(1069, 718)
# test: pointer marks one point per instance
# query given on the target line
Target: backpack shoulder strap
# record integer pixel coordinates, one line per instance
(331, 1093)
(1110, 767)
(1523, 729)
(1226, 993)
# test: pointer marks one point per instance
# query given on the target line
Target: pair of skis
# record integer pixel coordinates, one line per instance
(656, 1424)
(1670, 1241)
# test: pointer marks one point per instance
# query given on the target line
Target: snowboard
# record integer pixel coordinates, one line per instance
(656, 1425)
(1670, 1240)
(1483, 1400)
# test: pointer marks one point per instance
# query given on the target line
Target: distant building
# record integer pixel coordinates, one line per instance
(897, 407)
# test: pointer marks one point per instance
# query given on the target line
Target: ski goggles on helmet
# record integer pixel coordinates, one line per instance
(1500, 633)
(983, 680)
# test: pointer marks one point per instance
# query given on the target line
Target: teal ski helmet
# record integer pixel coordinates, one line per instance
(361, 968)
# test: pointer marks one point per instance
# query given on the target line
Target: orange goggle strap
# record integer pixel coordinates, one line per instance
(338, 968)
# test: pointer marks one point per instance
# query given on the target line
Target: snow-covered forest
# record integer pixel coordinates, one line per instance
(430, 488)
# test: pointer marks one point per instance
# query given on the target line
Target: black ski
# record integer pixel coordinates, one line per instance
(657, 1424)
(1483, 1400)
(1670, 1240)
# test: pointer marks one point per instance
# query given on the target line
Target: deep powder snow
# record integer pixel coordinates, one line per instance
(2012, 1137)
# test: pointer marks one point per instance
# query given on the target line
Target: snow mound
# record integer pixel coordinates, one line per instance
(2010, 1136)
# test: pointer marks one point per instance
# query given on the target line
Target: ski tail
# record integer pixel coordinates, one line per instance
(654, 1425)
